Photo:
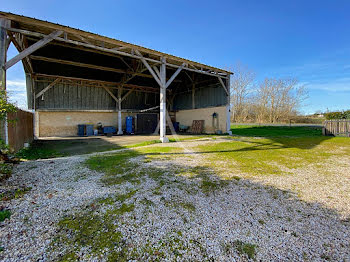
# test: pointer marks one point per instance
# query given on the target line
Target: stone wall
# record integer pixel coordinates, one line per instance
(66, 123)
(185, 117)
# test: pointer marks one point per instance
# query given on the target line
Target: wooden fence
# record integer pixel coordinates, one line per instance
(338, 127)
(19, 129)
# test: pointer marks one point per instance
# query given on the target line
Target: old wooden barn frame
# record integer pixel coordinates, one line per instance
(53, 54)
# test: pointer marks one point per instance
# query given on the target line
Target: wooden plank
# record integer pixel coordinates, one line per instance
(197, 126)
(47, 88)
(47, 39)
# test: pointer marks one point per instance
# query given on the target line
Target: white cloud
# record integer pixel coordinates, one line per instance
(17, 92)
(337, 85)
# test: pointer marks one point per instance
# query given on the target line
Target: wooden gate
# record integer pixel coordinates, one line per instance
(338, 127)
(19, 129)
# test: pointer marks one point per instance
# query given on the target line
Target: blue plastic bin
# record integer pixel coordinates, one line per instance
(81, 130)
(128, 123)
(109, 129)
(89, 130)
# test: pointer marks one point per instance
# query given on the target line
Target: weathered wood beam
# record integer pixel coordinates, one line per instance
(228, 107)
(162, 102)
(4, 23)
(127, 94)
(177, 72)
(8, 42)
(97, 83)
(91, 66)
(26, 62)
(223, 85)
(148, 67)
(148, 109)
(110, 93)
(109, 50)
(47, 88)
(47, 39)
(66, 62)
(155, 68)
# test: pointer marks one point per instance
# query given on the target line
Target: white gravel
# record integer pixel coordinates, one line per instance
(283, 226)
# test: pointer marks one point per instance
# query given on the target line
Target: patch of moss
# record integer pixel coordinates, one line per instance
(4, 214)
(189, 206)
(245, 248)
(5, 171)
(99, 234)
(147, 202)
(14, 193)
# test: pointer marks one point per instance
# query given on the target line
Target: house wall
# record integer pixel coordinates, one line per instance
(66, 123)
(186, 117)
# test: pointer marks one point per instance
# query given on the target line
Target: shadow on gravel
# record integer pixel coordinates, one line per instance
(276, 221)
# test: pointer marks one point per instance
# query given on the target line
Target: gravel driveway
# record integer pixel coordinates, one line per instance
(187, 215)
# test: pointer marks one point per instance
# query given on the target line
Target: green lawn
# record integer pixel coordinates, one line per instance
(275, 131)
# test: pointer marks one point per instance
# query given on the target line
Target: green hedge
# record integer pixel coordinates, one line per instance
(338, 115)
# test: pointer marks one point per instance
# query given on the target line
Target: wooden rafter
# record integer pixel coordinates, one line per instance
(32, 48)
(148, 67)
(20, 47)
(96, 83)
(111, 50)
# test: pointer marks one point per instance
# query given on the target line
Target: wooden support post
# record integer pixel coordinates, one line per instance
(228, 106)
(120, 128)
(193, 95)
(162, 99)
(4, 23)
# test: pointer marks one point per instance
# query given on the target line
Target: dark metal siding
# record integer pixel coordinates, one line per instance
(67, 96)
(73, 97)
(208, 96)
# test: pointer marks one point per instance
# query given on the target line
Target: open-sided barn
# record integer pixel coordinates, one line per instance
(77, 77)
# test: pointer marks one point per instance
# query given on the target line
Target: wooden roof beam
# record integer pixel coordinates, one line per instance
(26, 52)
(224, 75)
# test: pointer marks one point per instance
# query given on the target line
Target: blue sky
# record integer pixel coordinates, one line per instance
(308, 40)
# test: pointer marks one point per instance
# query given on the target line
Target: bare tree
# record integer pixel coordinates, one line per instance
(241, 86)
(278, 99)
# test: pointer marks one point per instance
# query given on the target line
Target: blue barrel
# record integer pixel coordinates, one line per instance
(128, 123)
(81, 130)
(176, 126)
